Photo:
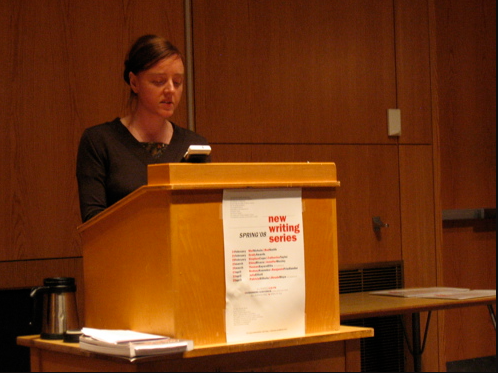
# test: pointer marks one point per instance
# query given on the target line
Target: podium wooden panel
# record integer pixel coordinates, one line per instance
(154, 261)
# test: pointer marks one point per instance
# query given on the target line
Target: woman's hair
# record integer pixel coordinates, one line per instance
(145, 52)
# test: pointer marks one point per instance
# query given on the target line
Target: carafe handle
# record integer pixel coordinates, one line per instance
(35, 309)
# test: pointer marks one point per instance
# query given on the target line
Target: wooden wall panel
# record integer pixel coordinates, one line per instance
(466, 63)
(41, 199)
(369, 187)
(301, 71)
(413, 71)
(417, 215)
(465, 32)
(30, 273)
(6, 158)
(469, 258)
(418, 236)
(64, 63)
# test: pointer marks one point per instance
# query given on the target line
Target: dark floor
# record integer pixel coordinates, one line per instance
(483, 364)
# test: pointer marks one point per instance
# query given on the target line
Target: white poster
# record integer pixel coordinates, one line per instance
(264, 264)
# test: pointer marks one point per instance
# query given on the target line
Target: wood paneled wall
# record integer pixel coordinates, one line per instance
(62, 72)
(466, 89)
(306, 71)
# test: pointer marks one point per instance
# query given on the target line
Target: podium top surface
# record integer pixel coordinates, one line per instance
(210, 176)
(243, 175)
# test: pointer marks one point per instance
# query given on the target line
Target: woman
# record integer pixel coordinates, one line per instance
(113, 156)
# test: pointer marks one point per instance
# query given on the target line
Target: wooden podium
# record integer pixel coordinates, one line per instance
(154, 261)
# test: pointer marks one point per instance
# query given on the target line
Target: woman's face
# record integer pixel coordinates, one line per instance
(159, 89)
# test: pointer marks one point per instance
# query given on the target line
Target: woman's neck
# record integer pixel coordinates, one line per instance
(149, 129)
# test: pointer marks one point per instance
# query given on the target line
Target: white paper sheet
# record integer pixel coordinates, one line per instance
(264, 264)
(120, 336)
(418, 292)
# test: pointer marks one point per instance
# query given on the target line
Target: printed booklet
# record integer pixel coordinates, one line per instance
(131, 344)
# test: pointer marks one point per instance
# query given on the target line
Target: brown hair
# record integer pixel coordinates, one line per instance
(145, 52)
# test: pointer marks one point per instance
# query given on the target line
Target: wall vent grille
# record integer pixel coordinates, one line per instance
(369, 278)
(385, 351)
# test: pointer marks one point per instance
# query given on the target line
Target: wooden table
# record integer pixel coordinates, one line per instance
(338, 350)
(365, 305)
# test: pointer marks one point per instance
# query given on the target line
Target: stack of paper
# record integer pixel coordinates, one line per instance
(130, 343)
(437, 292)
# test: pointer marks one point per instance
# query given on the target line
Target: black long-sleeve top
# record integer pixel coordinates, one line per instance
(111, 163)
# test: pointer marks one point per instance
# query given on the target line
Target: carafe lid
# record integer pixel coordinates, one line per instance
(63, 284)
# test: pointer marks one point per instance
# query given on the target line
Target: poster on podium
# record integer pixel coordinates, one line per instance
(264, 264)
